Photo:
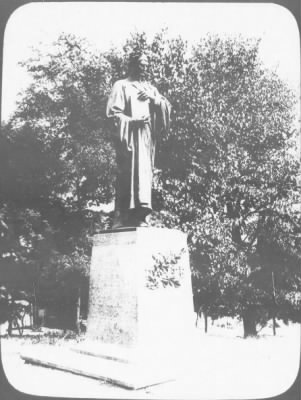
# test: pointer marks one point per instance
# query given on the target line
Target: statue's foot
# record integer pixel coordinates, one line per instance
(137, 222)
(142, 224)
(117, 225)
(142, 217)
(137, 217)
(117, 220)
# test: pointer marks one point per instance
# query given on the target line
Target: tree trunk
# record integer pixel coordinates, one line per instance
(78, 330)
(249, 323)
(31, 316)
(10, 326)
(34, 309)
(10, 315)
(274, 326)
(206, 321)
(198, 316)
(275, 303)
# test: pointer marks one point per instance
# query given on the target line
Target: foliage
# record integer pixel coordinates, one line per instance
(166, 271)
(63, 111)
(229, 180)
(55, 158)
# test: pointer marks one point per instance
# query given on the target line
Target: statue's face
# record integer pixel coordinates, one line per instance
(142, 63)
(139, 68)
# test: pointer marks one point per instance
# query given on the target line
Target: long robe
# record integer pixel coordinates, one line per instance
(135, 145)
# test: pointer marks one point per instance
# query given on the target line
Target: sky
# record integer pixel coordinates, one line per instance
(107, 24)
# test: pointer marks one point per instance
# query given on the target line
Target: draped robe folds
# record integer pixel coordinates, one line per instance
(135, 143)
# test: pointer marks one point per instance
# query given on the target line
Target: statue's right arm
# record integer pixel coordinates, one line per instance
(116, 111)
(116, 102)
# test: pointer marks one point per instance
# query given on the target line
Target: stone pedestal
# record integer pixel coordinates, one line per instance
(140, 307)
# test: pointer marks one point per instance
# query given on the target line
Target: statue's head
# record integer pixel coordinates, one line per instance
(138, 64)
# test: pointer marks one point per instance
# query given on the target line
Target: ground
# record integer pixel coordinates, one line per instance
(223, 365)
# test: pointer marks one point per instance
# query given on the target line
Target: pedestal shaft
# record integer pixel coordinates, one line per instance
(140, 288)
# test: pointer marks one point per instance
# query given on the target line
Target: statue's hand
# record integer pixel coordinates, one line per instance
(146, 94)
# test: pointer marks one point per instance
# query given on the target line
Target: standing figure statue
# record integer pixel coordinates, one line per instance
(139, 114)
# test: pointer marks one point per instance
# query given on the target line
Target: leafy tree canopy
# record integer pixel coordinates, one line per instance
(226, 172)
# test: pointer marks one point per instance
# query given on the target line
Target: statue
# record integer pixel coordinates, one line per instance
(139, 114)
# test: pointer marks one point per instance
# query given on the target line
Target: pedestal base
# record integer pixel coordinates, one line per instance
(127, 375)
(140, 310)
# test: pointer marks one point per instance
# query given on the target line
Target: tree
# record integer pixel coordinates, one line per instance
(232, 176)
(56, 159)
(229, 179)
(231, 173)
(64, 111)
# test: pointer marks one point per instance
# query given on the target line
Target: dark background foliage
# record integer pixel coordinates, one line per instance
(226, 173)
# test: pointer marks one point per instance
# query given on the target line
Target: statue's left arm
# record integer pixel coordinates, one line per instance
(162, 110)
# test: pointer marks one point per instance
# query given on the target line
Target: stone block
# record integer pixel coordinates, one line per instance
(140, 315)
(140, 288)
